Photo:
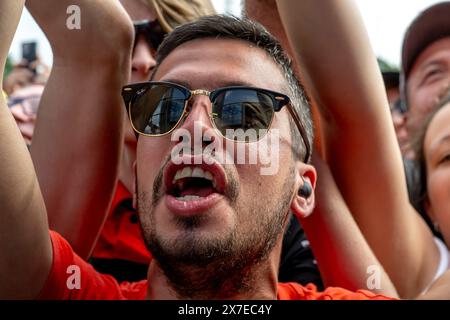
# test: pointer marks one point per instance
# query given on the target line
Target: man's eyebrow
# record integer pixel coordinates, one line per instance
(233, 83)
(179, 82)
(213, 84)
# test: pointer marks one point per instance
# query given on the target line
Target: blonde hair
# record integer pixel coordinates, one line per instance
(172, 13)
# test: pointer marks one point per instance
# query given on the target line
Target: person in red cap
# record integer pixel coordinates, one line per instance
(425, 66)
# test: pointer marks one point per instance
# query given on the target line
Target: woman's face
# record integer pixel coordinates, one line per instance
(143, 60)
(437, 159)
(143, 55)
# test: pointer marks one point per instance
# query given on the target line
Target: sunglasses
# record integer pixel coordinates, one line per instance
(28, 104)
(151, 30)
(157, 108)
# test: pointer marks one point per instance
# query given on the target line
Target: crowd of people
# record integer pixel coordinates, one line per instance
(357, 209)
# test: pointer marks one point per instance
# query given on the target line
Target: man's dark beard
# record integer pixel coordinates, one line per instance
(219, 269)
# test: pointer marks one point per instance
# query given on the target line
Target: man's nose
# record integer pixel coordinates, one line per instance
(143, 61)
(198, 122)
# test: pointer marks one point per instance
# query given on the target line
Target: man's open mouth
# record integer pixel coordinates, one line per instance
(192, 183)
(192, 188)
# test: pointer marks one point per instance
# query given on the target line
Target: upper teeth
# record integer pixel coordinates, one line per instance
(196, 172)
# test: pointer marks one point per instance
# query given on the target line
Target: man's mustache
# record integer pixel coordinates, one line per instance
(157, 184)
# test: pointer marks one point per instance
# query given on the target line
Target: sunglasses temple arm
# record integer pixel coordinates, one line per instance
(302, 132)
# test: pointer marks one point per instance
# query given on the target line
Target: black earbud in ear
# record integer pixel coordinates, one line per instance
(305, 190)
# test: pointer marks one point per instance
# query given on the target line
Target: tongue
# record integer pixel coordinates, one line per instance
(197, 191)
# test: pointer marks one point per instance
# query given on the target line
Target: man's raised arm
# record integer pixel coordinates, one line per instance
(25, 248)
(343, 256)
(77, 142)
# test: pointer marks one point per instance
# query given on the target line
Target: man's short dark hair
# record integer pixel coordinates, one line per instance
(230, 27)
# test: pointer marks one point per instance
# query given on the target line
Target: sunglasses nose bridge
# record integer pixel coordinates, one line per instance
(191, 102)
(197, 109)
(200, 92)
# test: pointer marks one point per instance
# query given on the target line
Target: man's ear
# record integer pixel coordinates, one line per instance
(303, 202)
(134, 185)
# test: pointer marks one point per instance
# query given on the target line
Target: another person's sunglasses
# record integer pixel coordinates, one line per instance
(157, 108)
(151, 30)
(28, 104)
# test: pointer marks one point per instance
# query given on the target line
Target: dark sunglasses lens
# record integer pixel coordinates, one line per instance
(243, 114)
(154, 41)
(152, 32)
(156, 110)
(156, 37)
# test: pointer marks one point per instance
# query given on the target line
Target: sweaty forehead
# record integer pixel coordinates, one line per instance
(215, 63)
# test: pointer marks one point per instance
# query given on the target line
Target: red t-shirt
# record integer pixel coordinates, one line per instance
(96, 286)
(121, 235)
